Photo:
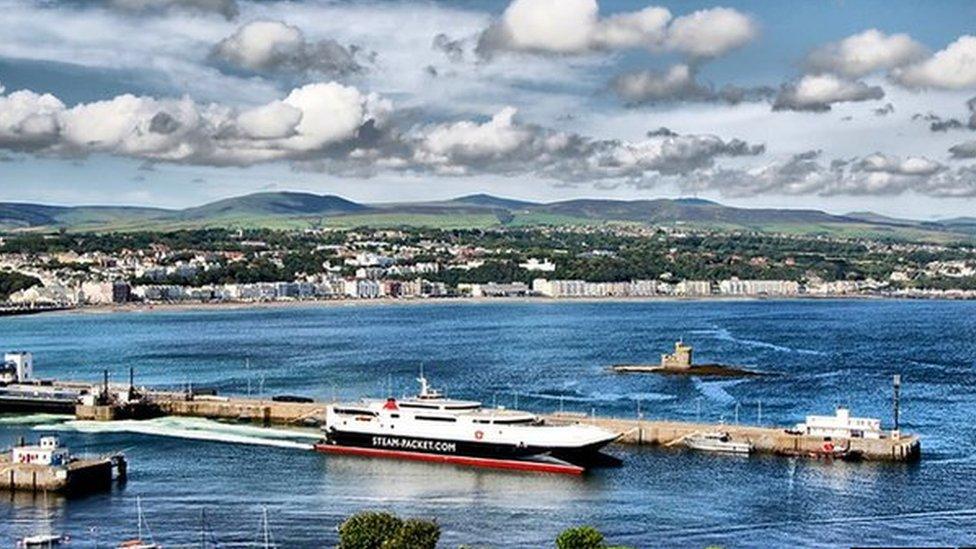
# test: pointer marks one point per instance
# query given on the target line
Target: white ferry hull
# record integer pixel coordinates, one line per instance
(494, 450)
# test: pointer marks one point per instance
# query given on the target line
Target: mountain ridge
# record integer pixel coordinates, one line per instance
(293, 209)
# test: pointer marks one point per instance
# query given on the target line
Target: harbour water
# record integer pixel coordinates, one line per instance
(542, 356)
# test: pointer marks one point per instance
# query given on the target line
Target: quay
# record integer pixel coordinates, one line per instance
(665, 433)
(48, 467)
(820, 436)
(768, 440)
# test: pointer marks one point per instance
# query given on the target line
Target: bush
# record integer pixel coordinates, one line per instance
(378, 530)
(415, 534)
(368, 530)
(580, 537)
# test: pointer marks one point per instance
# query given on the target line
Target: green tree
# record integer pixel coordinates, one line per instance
(368, 530)
(415, 534)
(580, 537)
(14, 282)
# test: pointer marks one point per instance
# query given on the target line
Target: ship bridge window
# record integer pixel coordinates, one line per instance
(435, 418)
(461, 407)
(354, 412)
(418, 405)
(514, 421)
(485, 421)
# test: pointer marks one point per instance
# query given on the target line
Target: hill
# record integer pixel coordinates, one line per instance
(274, 204)
(298, 210)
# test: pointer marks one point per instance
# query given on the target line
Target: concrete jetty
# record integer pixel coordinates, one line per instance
(769, 440)
(263, 411)
(48, 467)
(773, 440)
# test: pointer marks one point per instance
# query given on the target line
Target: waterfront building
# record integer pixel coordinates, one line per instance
(104, 293)
(841, 425)
(693, 288)
(734, 286)
(48, 451)
(515, 289)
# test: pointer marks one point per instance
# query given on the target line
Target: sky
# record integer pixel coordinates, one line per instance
(834, 105)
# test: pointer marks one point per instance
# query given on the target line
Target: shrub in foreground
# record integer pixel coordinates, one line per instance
(380, 530)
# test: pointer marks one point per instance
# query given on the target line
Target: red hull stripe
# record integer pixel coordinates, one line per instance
(508, 464)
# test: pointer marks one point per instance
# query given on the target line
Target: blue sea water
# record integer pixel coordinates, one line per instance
(544, 356)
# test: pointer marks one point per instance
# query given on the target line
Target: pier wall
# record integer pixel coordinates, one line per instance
(764, 439)
(650, 432)
(79, 476)
(239, 409)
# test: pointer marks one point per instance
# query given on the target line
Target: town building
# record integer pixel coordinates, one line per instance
(841, 425)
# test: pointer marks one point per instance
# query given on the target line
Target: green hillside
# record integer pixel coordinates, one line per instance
(296, 210)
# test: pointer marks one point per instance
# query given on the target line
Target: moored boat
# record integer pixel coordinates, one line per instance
(717, 442)
(43, 540)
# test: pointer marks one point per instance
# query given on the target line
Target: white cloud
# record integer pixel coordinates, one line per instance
(964, 150)
(575, 27)
(268, 46)
(644, 28)
(274, 120)
(506, 146)
(818, 92)
(677, 82)
(951, 68)
(804, 174)
(680, 83)
(310, 120)
(28, 120)
(712, 32)
(864, 53)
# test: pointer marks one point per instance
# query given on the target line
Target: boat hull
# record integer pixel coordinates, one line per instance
(584, 455)
(527, 464)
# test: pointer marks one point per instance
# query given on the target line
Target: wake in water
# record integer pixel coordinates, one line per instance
(724, 335)
(602, 397)
(715, 390)
(192, 428)
(34, 419)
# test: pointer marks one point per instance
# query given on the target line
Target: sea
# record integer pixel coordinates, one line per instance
(197, 480)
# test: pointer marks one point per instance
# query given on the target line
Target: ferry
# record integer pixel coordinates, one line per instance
(431, 427)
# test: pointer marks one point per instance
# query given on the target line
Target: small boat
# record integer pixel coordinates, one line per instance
(717, 442)
(43, 540)
(139, 542)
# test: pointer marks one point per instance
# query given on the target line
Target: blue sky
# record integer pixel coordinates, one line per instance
(832, 105)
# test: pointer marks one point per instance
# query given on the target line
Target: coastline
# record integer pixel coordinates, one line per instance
(315, 303)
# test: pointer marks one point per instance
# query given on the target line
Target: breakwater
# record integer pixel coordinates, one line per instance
(664, 433)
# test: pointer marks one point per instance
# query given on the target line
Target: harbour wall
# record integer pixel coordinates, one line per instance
(773, 440)
(79, 476)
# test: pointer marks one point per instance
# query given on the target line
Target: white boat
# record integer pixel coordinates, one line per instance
(139, 542)
(43, 540)
(717, 442)
(430, 423)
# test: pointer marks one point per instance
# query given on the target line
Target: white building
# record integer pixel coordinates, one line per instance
(534, 264)
(47, 452)
(734, 286)
(22, 363)
(841, 425)
(693, 288)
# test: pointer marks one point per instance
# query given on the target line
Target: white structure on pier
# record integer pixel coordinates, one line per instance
(48, 451)
(20, 364)
(841, 425)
